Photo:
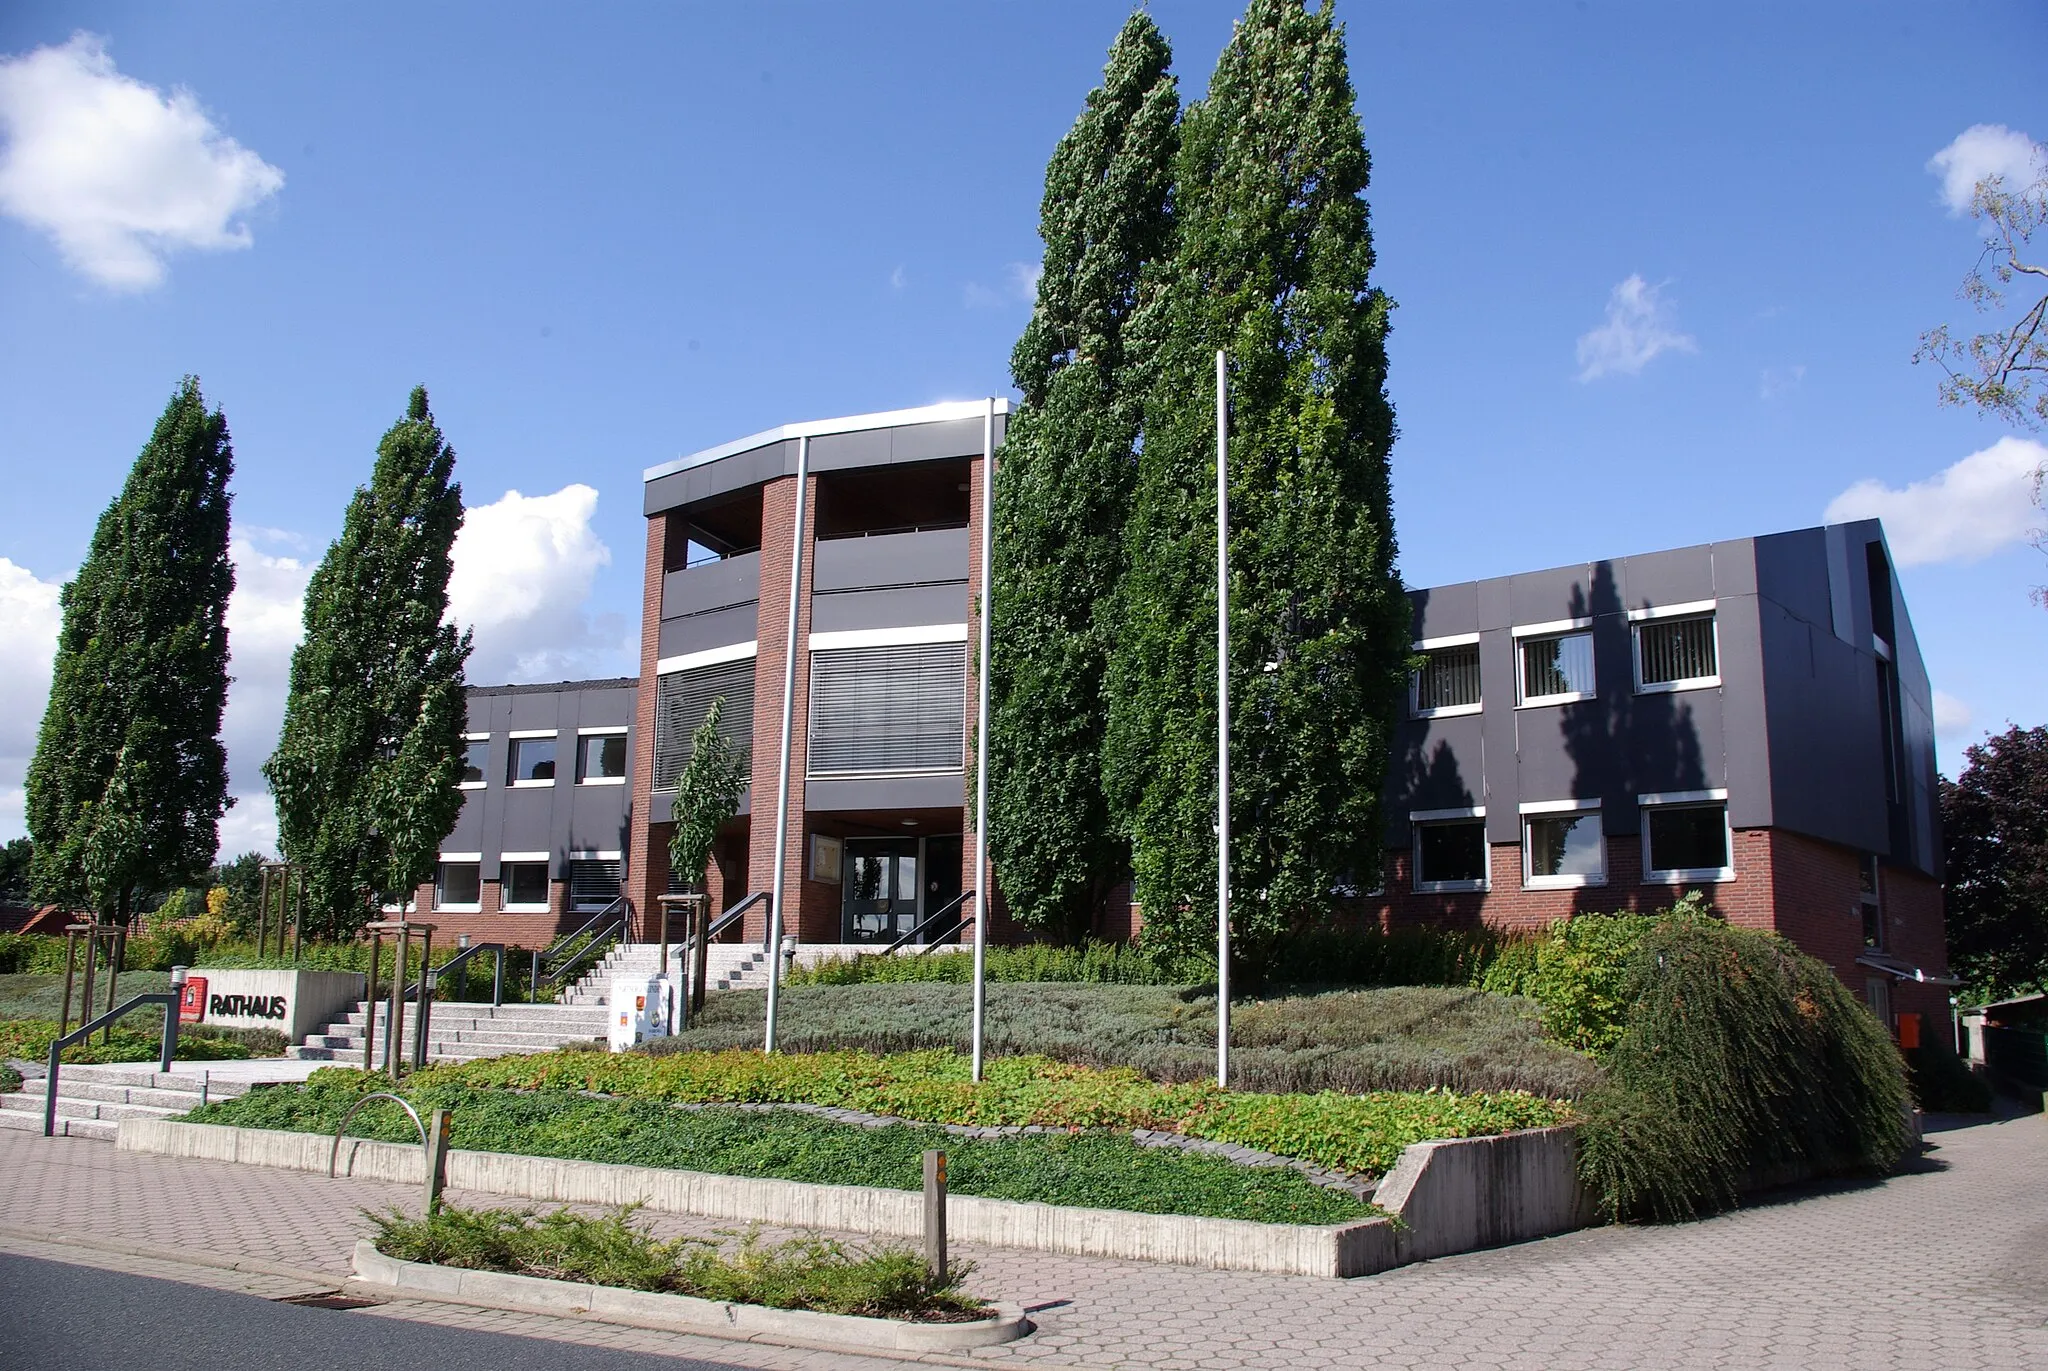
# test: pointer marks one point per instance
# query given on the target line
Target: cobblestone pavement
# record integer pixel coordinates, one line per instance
(1943, 1268)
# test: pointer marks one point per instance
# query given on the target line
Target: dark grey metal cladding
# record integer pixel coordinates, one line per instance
(736, 472)
(928, 557)
(885, 792)
(904, 607)
(722, 584)
(713, 628)
(559, 818)
(916, 442)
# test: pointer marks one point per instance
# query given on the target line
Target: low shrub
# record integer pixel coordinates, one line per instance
(1578, 971)
(22, 953)
(1740, 1062)
(30, 1039)
(10, 1079)
(803, 1273)
(1093, 962)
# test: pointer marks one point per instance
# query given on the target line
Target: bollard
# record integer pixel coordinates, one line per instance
(935, 1216)
(438, 1127)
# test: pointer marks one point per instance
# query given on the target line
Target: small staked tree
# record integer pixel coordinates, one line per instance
(707, 797)
(129, 779)
(1994, 821)
(1063, 489)
(1271, 261)
(366, 768)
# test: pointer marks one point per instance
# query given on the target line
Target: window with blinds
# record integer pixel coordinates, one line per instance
(593, 883)
(1676, 651)
(888, 709)
(683, 698)
(1449, 679)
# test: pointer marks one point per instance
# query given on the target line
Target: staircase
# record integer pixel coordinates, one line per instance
(92, 1100)
(460, 1032)
(729, 966)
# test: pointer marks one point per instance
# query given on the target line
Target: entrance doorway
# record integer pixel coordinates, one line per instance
(889, 884)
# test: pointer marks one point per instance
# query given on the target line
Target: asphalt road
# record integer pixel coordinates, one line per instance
(56, 1317)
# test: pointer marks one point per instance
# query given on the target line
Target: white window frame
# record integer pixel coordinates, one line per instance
(1689, 610)
(584, 734)
(512, 756)
(1419, 819)
(1415, 679)
(485, 769)
(1556, 628)
(474, 859)
(506, 859)
(1538, 809)
(1683, 799)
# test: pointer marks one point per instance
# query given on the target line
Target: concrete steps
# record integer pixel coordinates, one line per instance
(92, 1100)
(730, 966)
(461, 1032)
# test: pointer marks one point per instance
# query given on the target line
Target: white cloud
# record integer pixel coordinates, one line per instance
(1777, 381)
(115, 172)
(1979, 151)
(1640, 324)
(1951, 716)
(1020, 283)
(1024, 279)
(265, 622)
(29, 619)
(897, 280)
(524, 566)
(1962, 514)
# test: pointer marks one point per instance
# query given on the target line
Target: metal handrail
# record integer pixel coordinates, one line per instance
(729, 918)
(460, 960)
(612, 916)
(952, 908)
(170, 1045)
(334, 1153)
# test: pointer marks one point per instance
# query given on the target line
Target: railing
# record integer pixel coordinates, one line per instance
(460, 962)
(604, 924)
(83, 1031)
(952, 909)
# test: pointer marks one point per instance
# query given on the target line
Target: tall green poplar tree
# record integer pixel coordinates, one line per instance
(1271, 261)
(365, 771)
(1063, 488)
(129, 778)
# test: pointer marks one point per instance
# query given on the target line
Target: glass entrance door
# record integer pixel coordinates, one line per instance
(878, 901)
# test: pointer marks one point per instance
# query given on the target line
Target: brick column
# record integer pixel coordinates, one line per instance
(778, 525)
(646, 853)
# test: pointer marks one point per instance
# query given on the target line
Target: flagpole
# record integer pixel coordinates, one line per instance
(982, 894)
(789, 651)
(1222, 721)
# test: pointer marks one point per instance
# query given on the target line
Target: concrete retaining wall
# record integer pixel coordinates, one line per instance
(1444, 1197)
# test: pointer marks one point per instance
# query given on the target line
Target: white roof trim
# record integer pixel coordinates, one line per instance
(462, 856)
(1453, 640)
(815, 428)
(603, 730)
(1671, 611)
(1559, 806)
(1554, 626)
(522, 856)
(889, 637)
(1423, 816)
(710, 656)
(534, 733)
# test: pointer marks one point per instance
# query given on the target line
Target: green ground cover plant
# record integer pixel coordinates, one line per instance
(1408, 1038)
(154, 954)
(136, 1039)
(10, 1079)
(815, 1273)
(1092, 1169)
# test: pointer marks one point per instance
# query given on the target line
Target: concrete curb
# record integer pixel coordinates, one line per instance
(678, 1313)
(1442, 1197)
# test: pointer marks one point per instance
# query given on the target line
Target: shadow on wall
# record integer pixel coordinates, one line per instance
(1623, 744)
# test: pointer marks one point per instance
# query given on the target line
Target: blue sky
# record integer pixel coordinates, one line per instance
(1660, 273)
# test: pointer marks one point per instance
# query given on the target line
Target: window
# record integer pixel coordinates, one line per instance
(1556, 667)
(533, 760)
(683, 698)
(476, 755)
(459, 886)
(888, 709)
(1872, 907)
(593, 882)
(1450, 850)
(1685, 837)
(601, 759)
(1448, 682)
(525, 886)
(1563, 845)
(1675, 649)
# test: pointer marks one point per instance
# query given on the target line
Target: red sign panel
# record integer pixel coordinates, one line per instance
(192, 1002)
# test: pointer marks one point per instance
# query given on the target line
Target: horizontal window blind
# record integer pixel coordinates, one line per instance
(1676, 649)
(884, 709)
(593, 884)
(683, 698)
(1449, 678)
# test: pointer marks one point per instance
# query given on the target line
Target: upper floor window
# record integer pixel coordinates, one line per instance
(1555, 662)
(1676, 648)
(1448, 682)
(1686, 838)
(476, 755)
(682, 698)
(533, 760)
(601, 758)
(889, 708)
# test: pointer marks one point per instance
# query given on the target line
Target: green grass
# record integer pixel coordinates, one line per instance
(137, 1039)
(39, 996)
(1091, 1169)
(1405, 1038)
(804, 1273)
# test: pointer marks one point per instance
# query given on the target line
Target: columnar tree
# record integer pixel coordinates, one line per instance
(1271, 261)
(129, 778)
(1063, 489)
(707, 796)
(365, 771)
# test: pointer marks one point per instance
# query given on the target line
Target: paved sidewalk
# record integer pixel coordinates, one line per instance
(1944, 1268)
